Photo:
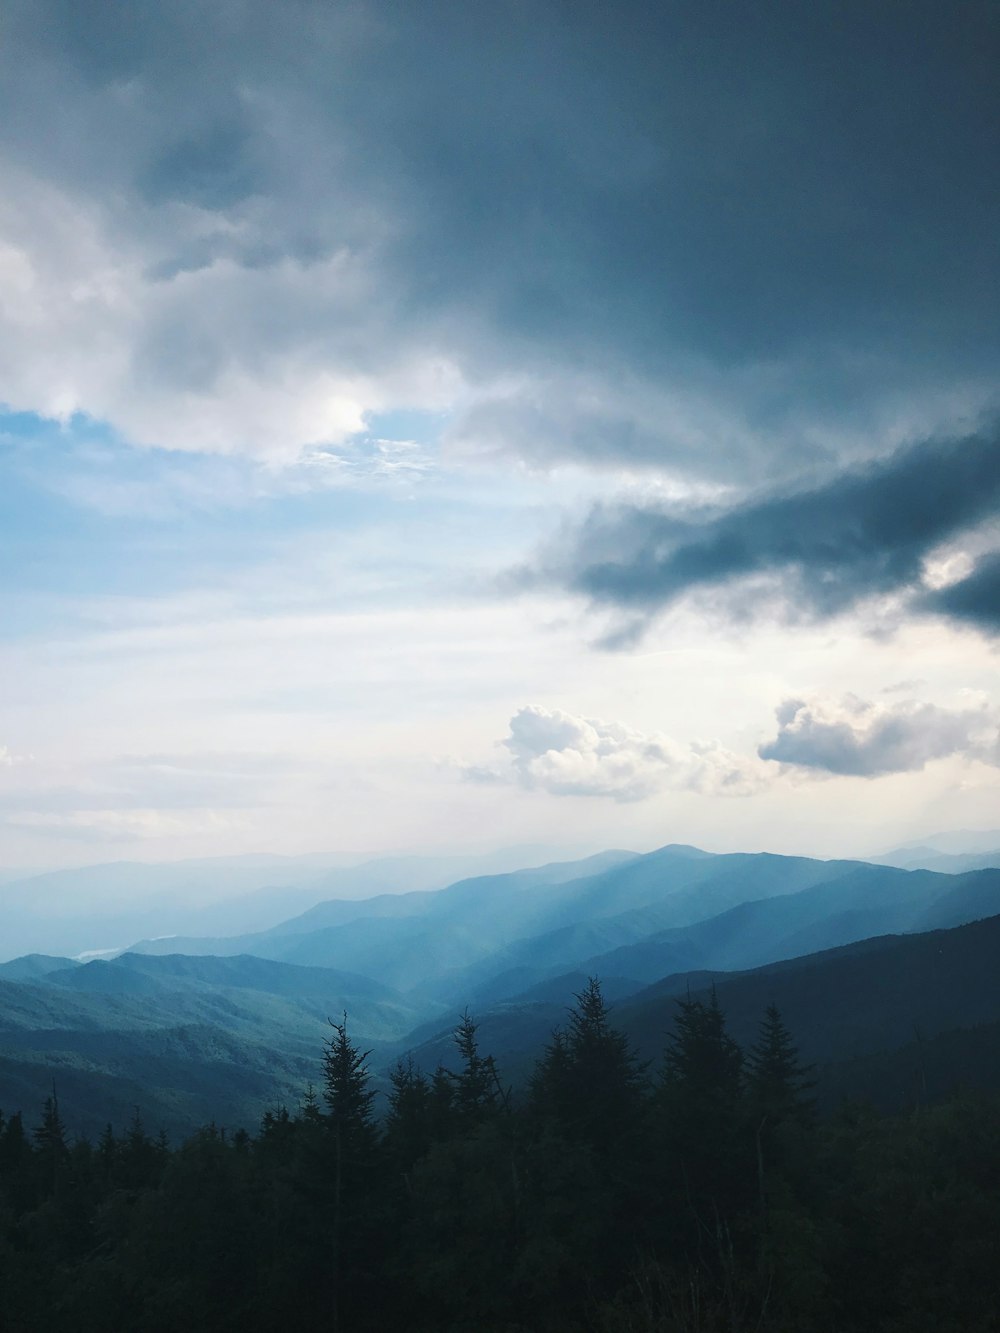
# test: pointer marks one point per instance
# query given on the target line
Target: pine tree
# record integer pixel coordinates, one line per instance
(702, 1098)
(778, 1083)
(346, 1085)
(349, 1099)
(51, 1147)
(589, 1078)
(476, 1086)
(702, 1061)
(409, 1119)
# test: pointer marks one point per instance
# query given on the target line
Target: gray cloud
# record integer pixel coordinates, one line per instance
(855, 738)
(975, 598)
(669, 198)
(867, 533)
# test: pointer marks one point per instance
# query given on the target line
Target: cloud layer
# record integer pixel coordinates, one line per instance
(243, 228)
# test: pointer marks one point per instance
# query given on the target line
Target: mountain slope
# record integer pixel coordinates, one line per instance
(452, 940)
(862, 902)
(843, 1005)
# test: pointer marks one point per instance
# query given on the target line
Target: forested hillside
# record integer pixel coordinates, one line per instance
(698, 1192)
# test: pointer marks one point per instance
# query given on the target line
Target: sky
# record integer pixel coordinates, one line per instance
(440, 427)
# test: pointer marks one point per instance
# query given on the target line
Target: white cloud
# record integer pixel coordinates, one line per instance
(567, 755)
(167, 324)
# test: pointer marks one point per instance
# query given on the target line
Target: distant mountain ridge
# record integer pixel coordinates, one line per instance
(242, 1019)
(481, 940)
(102, 907)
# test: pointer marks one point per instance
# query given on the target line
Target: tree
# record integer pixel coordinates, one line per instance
(778, 1083)
(349, 1098)
(701, 1094)
(476, 1086)
(345, 1084)
(589, 1079)
(51, 1147)
(409, 1119)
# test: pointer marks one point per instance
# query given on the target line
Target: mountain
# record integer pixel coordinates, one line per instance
(34, 965)
(187, 1040)
(340, 930)
(514, 947)
(848, 1009)
(952, 853)
(846, 901)
(948, 863)
(443, 944)
(98, 908)
(854, 1002)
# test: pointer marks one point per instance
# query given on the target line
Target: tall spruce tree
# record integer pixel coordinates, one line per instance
(349, 1100)
(778, 1084)
(702, 1098)
(589, 1080)
(51, 1147)
(476, 1087)
(346, 1089)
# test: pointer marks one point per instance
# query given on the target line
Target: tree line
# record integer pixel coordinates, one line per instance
(699, 1196)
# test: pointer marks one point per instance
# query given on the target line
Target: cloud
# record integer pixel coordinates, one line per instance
(819, 552)
(243, 229)
(974, 599)
(126, 825)
(852, 737)
(565, 755)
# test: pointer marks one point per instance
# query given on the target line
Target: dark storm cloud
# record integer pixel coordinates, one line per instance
(861, 740)
(679, 192)
(866, 533)
(975, 599)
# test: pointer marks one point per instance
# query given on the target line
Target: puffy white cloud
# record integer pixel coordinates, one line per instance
(566, 755)
(852, 736)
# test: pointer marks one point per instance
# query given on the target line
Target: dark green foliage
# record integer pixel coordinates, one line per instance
(589, 1080)
(476, 1090)
(703, 1123)
(716, 1202)
(778, 1084)
(346, 1089)
(409, 1122)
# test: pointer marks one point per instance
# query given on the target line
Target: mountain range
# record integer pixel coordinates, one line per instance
(220, 1027)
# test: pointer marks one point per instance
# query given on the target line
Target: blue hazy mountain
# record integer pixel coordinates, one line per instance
(172, 1019)
(102, 907)
(636, 918)
(186, 1039)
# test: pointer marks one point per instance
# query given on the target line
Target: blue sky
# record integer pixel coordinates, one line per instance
(447, 427)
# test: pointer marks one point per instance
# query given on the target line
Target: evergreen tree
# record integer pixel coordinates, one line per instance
(476, 1086)
(589, 1078)
(701, 1094)
(778, 1084)
(346, 1085)
(702, 1061)
(407, 1129)
(51, 1148)
(349, 1098)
